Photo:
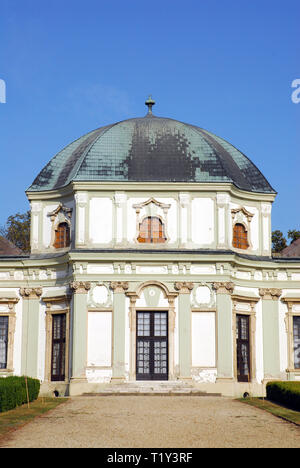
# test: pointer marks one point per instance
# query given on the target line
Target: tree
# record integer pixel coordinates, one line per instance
(17, 230)
(293, 234)
(278, 241)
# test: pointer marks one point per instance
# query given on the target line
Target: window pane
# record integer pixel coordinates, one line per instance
(62, 236)
(3, 342)
(296, 329)
(151, 231)
(240, 237)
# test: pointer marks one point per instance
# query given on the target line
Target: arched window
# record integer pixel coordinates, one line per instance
(62, 236)
(240, 237)
(152, 231)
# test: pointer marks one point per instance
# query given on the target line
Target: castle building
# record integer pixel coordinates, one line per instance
(150, 261)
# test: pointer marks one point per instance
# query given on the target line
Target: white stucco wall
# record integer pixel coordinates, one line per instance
(203, 339)
(99, 339)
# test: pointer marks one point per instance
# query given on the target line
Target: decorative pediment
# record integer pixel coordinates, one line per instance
(155, 214)
(61, 209)
(163, 206)
(238, 213)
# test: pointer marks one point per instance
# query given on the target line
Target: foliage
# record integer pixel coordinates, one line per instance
(278, 241)
(13, 391)
(293, 234)
(17, 230)
(285, 393)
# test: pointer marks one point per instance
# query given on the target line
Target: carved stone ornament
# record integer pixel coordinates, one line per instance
(270, 293)
(67, 212)
(31, 293)
(184, 287)
(224, 288)
(163, 206)
(119, 286)
(80, 287)
(242, 211)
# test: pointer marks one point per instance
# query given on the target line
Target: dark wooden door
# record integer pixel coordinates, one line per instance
(152, 346)
(243, 348)
(58, 347)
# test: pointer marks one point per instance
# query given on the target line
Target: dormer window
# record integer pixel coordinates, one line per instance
(62, 236)
(61, 227)
(151, 231)
(240, 237)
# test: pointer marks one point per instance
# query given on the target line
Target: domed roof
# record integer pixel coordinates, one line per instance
(151, 149)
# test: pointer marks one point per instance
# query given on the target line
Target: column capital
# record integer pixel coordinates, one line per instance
(224, 288)
(270, 293)
(184, 287)
(80, 287)
(31, 293)
(119, 286)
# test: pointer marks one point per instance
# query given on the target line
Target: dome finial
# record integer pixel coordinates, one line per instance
(150, 103)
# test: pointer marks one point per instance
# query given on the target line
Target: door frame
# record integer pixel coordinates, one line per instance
(154, 311)
(134, 296)
(243, 305)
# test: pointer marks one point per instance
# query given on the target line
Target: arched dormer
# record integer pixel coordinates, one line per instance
(152, 231)
(240, 237)
(61, 227)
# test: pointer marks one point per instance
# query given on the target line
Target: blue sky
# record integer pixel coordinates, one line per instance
(224, 65)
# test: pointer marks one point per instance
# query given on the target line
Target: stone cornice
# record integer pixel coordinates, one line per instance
(80, 287)
(119, 286)
(270, 293)
(31, 293)
(148, 186)
(184, 287)
(224, 287)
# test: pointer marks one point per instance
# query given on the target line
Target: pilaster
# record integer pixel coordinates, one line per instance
(222, 202)
(79, 326)
(119, 310)
(81, 199)
(185, 329)
(270, 322)
(224, 331)
(30, 330)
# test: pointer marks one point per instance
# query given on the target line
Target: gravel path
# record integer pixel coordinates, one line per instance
(155, 422)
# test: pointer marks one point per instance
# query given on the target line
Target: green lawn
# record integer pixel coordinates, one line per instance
(276, 410)
(17, 417)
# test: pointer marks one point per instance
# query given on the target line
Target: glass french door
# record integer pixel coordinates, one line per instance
(243, 348)
(58, 347)
(3, 342)
(152, 346)
(296, 333)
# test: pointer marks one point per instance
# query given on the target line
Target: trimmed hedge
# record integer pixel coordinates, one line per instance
(13, 391)
(286, 393)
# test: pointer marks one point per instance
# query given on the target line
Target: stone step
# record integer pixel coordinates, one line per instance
(158, 387)
(152, 393)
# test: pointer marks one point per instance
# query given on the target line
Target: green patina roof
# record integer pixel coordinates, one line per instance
(151, 149)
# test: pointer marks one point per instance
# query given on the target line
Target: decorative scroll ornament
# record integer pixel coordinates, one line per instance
(64, 210)
(184, 287)
(240, 212)
(270, 293)
(119, 286)
(31, 293)
(80, 287)
(224, 288)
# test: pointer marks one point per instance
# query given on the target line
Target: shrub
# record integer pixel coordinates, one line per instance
(13, 391)
(286, 393)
